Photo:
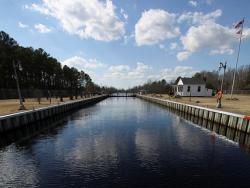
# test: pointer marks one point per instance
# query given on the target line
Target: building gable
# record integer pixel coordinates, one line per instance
(180, 82)
(191, 81)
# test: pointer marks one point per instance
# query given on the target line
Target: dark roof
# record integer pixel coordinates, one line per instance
(193, 81)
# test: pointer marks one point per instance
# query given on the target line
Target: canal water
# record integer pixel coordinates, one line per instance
(121, 142)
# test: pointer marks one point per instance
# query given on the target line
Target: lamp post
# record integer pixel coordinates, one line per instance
(18, 88)
(219, 94)
(224, 66)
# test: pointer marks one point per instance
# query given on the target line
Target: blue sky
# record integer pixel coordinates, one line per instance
(125, 43)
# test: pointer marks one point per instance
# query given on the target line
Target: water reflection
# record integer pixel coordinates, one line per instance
(124, 142)
(230, 133)
(18, 169)
(22, 136)
(147, 146)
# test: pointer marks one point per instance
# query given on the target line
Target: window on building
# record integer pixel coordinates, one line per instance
(199, 89)
(188, 89)
(180, 88)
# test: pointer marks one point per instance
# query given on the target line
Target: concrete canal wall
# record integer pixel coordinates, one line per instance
(232, 120)
(17, 120)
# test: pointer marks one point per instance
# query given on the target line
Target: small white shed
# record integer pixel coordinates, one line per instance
(192, 87)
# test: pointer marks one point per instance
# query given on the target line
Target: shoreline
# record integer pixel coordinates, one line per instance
(16, 120)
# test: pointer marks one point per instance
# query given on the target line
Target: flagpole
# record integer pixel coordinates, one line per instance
(237, 60)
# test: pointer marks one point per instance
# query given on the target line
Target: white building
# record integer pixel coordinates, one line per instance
(192, 87)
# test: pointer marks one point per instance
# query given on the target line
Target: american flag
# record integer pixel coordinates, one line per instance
(239, 26)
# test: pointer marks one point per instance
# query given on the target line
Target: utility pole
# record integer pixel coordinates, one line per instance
(18, 88)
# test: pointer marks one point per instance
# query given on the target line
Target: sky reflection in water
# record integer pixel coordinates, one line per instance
(124, 142)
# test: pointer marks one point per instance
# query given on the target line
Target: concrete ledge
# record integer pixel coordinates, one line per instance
(13, 121)
(214, 117)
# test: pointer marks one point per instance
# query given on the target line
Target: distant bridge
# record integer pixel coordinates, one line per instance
(122, 95)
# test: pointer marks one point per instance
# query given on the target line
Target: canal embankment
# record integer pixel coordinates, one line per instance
(17, 120)
(228, 119)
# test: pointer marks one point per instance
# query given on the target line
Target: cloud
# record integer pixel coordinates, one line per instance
(139, 72)
(199, 17)
(42, 28)
(88, 19)
(117, 71)
(210, 35)
(222, 51)
(172, 74)
(125, 72)
(21, 25)
(173, 46)
(205, 33)
(82, 63)
(193, 3)
(246, 33)
(181, 56)
(124, 14)
(124, 76)
(154, 26)
(121, 76)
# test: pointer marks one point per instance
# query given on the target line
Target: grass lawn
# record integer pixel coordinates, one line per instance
(12, 105)
(240, 106)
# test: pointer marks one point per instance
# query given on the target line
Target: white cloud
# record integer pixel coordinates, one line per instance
(87, 19)
(155, 25)
(121, 76)
(209, 35)
(222, 51)
(40, 8)
(125, 72)
(82, 63)
(139, 72)
(181, 56)
(172, 74)
(124, 14)
(125, 76)
(199, 17)
(246, 33)
(42, 28)
(21, 25)
(205, 33)
(117, 71)
(173, 46)
(193, 3)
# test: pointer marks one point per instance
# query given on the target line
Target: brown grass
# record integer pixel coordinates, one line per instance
(240, 106)
(12, 105)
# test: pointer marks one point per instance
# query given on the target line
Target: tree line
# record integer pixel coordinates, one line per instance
(159, 87)
(36, 69)
(212, 78)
